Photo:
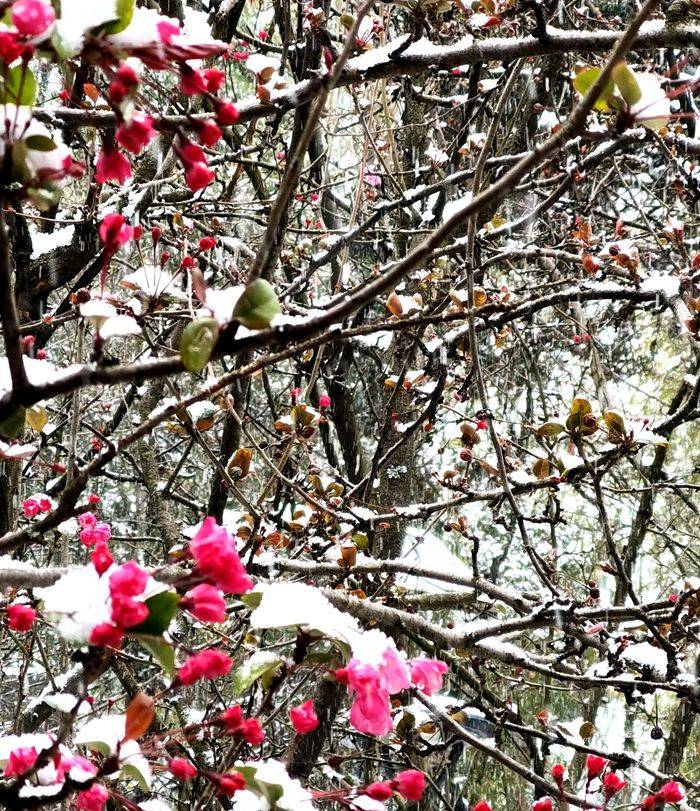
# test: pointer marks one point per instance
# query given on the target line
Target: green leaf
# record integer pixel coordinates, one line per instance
(19, 87)
(260, 664)
(41, 143)
(550, 429)
(585, 79)
(251, 600)
(162, 607)
(197, 343)
(162, 651)
(11, 427)
(626, 83)
(257, 305)
(125, 11)
(272, 792)
(361, 541)
(141, 776)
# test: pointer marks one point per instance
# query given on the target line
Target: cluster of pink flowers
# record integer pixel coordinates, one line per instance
(208, 664)
(236, 724)
(372, 685)
(126, 583)
(92, 531)
(137, 129)
(32, 21)
(226, 784)
(671, 792)
(410, 784)
(34, 505)
(215, 555)
(96, 535)
(92, 799)
(23, 760)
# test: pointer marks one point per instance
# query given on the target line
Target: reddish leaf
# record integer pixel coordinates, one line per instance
(139, 716)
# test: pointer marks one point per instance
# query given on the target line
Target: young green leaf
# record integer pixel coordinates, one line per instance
(162, 607)
(626, 83)
(197, 343)
(585, 79)
(257, 305)
(19, 87)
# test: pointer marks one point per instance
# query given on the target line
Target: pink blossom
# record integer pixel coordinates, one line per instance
(30, 507)
(595, 765)
(304, 718)
(558, 771)
(128, 580)
(127, 75)
(214, 79)
(32, 17)
(192, 82)
(93, 799)
(393, 671)
(206, 603)
(20, 761)
(101, 557)
(208, 664)
(482, 805)
(167, 29)
(252, 732)
(127, 612)
(106, 635)
(10, 47)
(182, 769)
(226, 113)
(87, 520)
(380, 791)
(543, 804)
(672, 792)
(324, 401)
(410, 784)
(228, 784)
(370, 711)
(115, 232)
(112, 165)
(20, 617)
(427, 674)
(137, 134)
(612, 784)
(198, 176)
(216, 557)
(207, 243)
(75, 761)
(99, 533)
(208, 132)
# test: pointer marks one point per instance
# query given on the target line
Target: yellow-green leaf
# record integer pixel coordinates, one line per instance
(36, 418)
(626, 83)
(257, 305)
(550, 429)
(585, 79)
(197, 343)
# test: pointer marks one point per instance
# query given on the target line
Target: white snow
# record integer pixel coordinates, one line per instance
(45, 243)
